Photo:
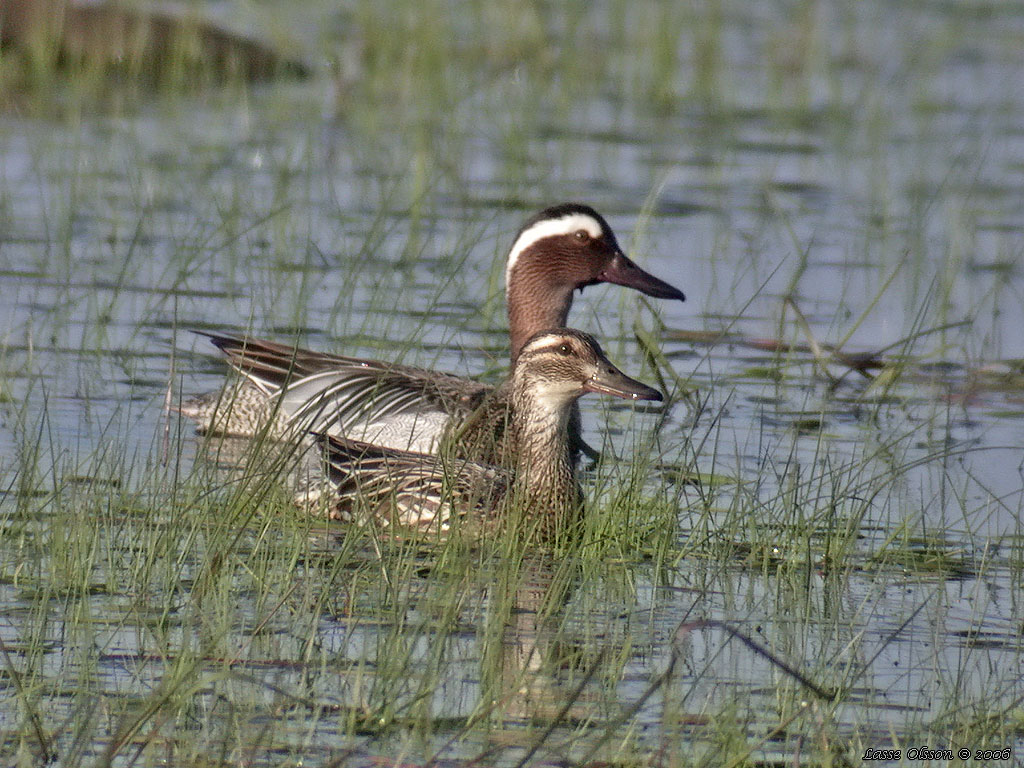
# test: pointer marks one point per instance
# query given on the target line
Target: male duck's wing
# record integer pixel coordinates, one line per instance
(397, 405)
(408, 488)
(368, 390)
(271, 365)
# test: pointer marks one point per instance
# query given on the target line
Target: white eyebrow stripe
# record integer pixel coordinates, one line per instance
(564, 225)
(545, 344)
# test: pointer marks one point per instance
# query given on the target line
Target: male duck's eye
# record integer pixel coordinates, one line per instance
(582, 235)
(564, 350)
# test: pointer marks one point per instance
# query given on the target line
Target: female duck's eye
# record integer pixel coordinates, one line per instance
(582, 235)
(564, 350)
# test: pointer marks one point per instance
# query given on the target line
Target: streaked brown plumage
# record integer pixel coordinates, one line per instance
(415, 490)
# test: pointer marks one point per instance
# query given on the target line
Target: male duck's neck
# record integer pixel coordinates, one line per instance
(534, 307)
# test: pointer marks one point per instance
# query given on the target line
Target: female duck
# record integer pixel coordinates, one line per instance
(289, 390)
(414, 490)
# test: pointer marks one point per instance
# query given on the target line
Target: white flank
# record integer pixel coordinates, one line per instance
(564, 225)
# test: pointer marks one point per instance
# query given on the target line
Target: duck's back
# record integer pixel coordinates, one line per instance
(410, 490)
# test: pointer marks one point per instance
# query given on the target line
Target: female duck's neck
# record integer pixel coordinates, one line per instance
(545, 479)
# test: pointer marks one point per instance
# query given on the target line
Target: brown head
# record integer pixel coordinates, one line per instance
(560, 250)
(557, 367)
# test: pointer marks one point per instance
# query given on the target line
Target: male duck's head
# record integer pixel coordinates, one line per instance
(560, 250)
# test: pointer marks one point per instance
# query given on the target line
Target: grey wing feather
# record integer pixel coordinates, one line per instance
(322, 391)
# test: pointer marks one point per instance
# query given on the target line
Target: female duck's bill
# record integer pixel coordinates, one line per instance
(420, 491)
(289, 390)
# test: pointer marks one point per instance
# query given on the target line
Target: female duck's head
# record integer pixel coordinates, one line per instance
(557, 367)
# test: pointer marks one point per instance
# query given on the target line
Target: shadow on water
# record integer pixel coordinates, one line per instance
(159, 44)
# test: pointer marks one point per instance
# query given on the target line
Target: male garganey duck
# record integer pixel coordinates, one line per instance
(420, 491)
(562, 249)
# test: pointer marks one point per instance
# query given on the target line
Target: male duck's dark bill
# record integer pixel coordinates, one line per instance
(622, 271)
(609, 380)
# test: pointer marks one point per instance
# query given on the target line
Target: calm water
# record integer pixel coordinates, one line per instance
(868, 165)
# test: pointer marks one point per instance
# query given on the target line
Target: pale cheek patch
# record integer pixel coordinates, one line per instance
(554, 397)
(564, 225)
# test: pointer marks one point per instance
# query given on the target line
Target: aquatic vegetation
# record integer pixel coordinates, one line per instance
(813, 550)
